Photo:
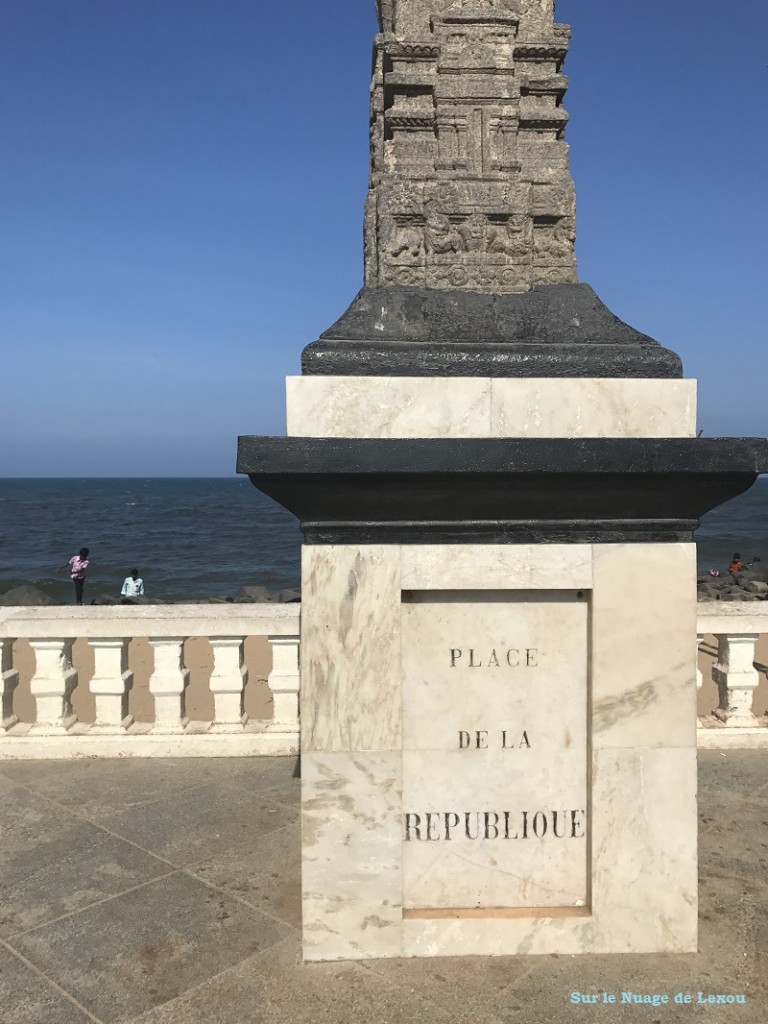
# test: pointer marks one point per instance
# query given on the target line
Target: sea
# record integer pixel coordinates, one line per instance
(202, 538)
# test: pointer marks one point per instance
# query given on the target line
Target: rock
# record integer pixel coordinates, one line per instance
(25, 595)
(252, 595)
(751, 576)
(756, 587)
(260, 595)
(106, 599)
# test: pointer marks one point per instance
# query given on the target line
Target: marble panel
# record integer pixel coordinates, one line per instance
(643, 662)
(350, 665)
(495, 749)
(644, 841)
(497, 567)
(351, 855)
(388, 406)
(593, 408)
(482, 407)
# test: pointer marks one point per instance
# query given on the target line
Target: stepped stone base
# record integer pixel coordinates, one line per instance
(551, 331)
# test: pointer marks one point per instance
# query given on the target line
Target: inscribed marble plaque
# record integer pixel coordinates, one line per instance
(495, 808)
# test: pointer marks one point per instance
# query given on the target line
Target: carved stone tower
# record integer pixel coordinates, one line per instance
(470, 182)
(470, 218)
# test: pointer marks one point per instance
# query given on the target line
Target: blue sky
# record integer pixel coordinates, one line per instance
(182, 194)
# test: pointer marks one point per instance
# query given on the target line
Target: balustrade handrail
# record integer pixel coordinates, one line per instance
(93, 621)
(732, 617)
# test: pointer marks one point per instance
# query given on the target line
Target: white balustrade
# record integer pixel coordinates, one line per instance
(108, 630)
(284, 681)
(227, 683)
(736, 678)
(9, 680)
(167, 683)
(110, 684)
(55, 733)
(52, 685)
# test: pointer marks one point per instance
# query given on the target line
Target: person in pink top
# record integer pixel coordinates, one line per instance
(77, 566)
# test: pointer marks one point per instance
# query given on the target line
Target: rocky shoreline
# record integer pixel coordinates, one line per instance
(27, 595)
(749, 584)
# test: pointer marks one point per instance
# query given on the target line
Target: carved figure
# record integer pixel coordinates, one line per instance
(507, 239)
(407, 240)
(558, 245)
(473, 232)
(440, 236)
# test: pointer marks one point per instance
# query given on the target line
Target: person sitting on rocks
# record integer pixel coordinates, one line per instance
(133, 585)
(736, 563)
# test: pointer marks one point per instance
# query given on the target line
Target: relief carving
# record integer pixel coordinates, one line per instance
(554, 243)
(509, 239)
(470, 191)
(408, 241)
(440, 236)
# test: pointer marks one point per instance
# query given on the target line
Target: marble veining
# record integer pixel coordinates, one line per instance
(485, 407)
(497, 567)
(350, 655)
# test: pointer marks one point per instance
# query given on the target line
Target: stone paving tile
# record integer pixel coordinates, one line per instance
(289, 794)
(184, 826)
(546, 994)
(25, 998)
(265, 872)
(721, 819)
(36, 773)
(733, 931)
(254, 774)
(52, 863)
(472, 983)
(73, 872)
(736, 771)
(101, 787)
(137, 951)
(277, 988)
(96, 788)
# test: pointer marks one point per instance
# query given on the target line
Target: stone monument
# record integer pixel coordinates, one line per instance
(492, 473)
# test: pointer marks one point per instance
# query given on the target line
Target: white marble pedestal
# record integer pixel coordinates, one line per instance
(498, 750)
(498, 740)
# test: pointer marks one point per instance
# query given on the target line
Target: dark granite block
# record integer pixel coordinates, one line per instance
(561, 330)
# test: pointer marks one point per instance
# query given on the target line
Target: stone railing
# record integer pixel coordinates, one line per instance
(114, 681)
(732, 642)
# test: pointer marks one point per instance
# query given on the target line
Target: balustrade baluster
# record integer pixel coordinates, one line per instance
(699, 673)
(52, 685)
(167, 683)
(736, 678)
(283, 681)
(9, 680)
(110, 684)
(227, 683)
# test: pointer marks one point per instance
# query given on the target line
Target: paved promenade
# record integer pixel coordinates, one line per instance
(167, 892)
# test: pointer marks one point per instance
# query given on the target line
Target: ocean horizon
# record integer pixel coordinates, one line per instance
(201, 537)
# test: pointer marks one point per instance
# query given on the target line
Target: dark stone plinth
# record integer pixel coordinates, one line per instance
(551, 331)
(500, 490)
